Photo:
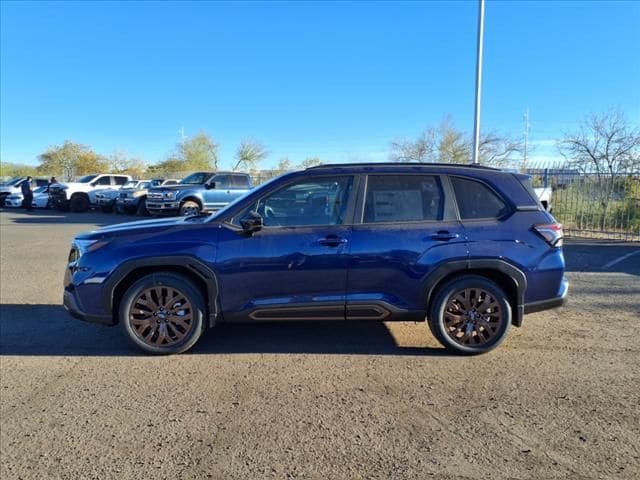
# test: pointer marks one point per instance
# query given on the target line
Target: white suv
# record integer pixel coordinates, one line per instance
(79, 196)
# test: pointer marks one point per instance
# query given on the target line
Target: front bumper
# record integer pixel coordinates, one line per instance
(550, 303)
(72, 305)
(162, 206)
(105, 202)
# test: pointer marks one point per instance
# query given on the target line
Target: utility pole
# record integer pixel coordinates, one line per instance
(182, 137)
(476, 123)
(526, 138)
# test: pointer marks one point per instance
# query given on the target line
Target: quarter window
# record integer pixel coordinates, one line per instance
(477, 200)
(403, 198)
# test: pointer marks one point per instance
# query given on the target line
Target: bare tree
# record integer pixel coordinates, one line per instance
(310, 162)
(605, 146)
(498, 149)
(249, 155)
(447, 144)
(421, 150)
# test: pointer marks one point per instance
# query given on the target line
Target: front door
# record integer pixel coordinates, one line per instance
(295, 267)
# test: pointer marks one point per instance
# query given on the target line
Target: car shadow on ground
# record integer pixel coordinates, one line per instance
(92, 218)
(49, 330)
(586, 255)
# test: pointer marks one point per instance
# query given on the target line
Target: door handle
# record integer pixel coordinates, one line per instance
(332, 241)
(444, 235)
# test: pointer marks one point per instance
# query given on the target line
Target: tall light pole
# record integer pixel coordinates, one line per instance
(476, 122)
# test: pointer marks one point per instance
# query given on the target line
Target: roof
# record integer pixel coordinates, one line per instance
(401, 165)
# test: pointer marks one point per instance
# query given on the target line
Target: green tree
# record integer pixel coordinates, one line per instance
(8, 169)
(249, 155)
(71, 159)
(199, 152)
(121, 163)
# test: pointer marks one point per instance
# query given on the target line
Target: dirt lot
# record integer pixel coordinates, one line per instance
(560, 398)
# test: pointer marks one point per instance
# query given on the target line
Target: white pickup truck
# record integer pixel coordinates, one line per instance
(80, 195)
(544, 195)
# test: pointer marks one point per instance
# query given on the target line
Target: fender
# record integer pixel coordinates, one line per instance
(514, 273)
(199, 268)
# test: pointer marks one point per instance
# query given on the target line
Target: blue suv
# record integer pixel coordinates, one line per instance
(470, 249)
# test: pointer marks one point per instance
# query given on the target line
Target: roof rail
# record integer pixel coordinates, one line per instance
(401, 164)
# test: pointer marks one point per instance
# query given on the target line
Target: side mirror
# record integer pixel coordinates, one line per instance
(210, 185)
(251, 222)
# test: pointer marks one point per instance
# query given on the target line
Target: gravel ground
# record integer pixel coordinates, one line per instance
(560, 398)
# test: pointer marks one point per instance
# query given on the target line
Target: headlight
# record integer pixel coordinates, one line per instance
(136, 194)
(170, 195)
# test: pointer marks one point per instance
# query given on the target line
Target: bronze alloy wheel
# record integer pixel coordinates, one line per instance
(472, 317)
(161, 316)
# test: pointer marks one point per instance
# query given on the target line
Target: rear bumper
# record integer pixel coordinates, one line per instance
(73, 306)
(550, 303)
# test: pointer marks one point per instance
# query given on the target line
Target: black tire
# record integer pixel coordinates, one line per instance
(189, 208)
(482, 331)
(162, 281)
(141, 210)
(79, 203)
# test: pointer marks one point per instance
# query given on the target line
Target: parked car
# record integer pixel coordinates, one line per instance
(12, 187)
(79, 196)
(198, 192)
(40, 198)
(468, 248)
(132, 199)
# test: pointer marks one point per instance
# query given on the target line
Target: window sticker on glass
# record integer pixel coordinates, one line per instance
(394, 205)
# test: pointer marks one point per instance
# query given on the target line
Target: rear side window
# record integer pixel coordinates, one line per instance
(120, 180)
(222, 181)
(239, 181)
(403, 198)
(476, 200)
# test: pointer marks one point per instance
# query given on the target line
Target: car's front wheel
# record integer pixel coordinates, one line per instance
(470, 315)
(163, 313)
(189, 208)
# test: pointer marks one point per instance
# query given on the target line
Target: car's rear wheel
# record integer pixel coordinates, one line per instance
(163, 313)
(189, 208)
(470, 315)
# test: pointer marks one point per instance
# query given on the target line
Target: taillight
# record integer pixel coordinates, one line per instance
(551, 232)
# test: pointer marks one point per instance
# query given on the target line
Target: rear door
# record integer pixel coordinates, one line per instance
(407, 227)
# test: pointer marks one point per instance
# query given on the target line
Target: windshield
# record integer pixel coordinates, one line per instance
(14, 180)
(86, 178)
(131, 184)
(196, 178)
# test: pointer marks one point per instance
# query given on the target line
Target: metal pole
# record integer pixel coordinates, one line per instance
(476, 123)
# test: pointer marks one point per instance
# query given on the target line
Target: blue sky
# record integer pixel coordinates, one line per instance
(334, 80)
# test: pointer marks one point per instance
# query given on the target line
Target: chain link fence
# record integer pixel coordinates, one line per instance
(591, 202)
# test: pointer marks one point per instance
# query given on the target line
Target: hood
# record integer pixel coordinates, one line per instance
(143, 226)
(74, 185)
(181, 186)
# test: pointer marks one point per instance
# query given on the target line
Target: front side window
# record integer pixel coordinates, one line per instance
(307, 202)
(403, 198)
(120, 180)
(86, 178)
(476, 200)
(221, 181)
(103, 181)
